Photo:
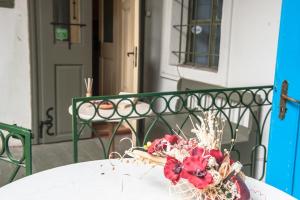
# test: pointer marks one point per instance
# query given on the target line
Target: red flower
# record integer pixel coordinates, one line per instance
(198, 151)
(193, 142)
(171, 138)
(217, 154)
(194, 170)
(199, 182)
(156, 145)
(195, 163)
(161, 144)
(172, 169)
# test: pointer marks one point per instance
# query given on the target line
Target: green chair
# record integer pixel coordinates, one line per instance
(13, 132)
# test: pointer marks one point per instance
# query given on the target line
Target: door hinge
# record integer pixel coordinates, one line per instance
(48, 123)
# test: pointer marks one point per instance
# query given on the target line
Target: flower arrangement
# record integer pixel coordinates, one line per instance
(196, 167)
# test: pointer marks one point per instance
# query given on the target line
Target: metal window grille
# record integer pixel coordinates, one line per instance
(199, 42)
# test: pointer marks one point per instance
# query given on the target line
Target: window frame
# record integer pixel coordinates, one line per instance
(181, 35)
(171, 69)
(213, 23)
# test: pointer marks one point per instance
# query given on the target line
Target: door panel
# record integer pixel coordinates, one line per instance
(119, 54)
(68, 80)
(110, 46)
(62, 67)
(130, 44)
(137, 17)
(283, 150)
(127, 46)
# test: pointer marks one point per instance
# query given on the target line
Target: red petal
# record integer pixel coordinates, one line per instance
(169, 170)
(217, 154)
(171, 138)
(194, 163)
(153, 147)
(198, 151)
(198, 182)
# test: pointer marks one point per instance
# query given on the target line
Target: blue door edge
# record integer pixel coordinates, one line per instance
(283, 154)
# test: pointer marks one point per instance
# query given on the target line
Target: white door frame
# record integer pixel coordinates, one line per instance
(33, 71)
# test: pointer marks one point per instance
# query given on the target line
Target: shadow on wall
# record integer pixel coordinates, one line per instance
(152, 44)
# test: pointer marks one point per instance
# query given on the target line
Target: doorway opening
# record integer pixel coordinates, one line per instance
(116, 46)
(116, 53)
(96, 47)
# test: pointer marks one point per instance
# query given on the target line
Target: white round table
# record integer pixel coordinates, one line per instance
(102, 180)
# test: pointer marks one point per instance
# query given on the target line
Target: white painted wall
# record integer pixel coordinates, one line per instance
(248, 46)
(253, 50)
(15, 98)
(152, 36)
(254, 36)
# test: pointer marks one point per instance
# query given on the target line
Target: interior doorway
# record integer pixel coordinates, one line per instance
(119, 36)
(116, 52)
(96, 47)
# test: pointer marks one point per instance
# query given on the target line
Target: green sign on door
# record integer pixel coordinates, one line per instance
(61, 34)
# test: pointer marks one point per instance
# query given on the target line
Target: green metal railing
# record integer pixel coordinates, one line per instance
(13, 132)
(150, 115)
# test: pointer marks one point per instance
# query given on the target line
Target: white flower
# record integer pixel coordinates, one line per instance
(212, 163)
(179, 154)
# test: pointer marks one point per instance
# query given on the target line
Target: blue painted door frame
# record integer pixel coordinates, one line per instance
(284, 142)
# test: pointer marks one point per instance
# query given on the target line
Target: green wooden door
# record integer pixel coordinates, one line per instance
(64, 60)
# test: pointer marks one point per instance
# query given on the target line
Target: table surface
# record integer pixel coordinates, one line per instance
(109, 180)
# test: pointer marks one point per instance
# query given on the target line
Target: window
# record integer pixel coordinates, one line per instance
(7, 3)
(66, 21)
(108, 20)
(199, 43)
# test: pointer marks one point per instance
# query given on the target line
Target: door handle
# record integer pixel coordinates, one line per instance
(135, 55)
(287, 98)
(284, 98)
(130, 53)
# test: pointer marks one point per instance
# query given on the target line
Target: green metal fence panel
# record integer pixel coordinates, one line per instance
(245, 111)
(13, 132)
